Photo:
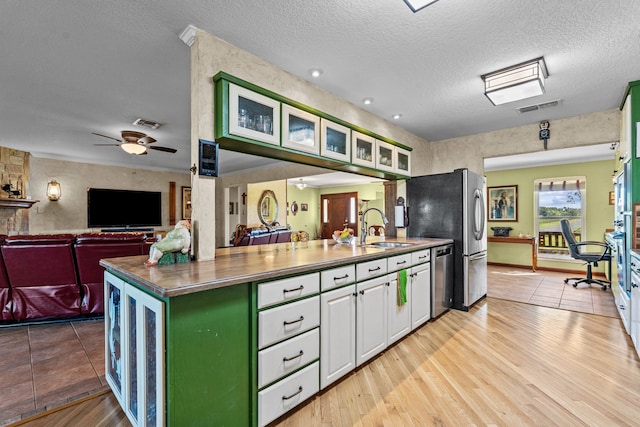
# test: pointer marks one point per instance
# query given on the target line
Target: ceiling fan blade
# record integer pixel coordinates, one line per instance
(105, 136)
(107, 145)
(146, 140)
(132, 135)
(165, 149)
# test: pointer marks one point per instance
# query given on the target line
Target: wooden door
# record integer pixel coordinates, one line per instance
(337, 210)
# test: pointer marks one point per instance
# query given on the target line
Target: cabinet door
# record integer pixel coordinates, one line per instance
(300, 130)
(385, 156)
(371, 323)
(254, 116)
(145, 358)
(635, 312)
(398, 314)
(363, 149)
(420, 294)
(403, 161)
(337, 334)
(114, 335)
(335, 141)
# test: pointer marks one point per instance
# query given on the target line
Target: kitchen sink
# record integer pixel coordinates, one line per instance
(385, 245)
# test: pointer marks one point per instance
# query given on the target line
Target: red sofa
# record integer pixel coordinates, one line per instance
(58, 275)
(89, 249)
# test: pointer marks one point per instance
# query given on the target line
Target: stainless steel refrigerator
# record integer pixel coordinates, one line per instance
(452, 205)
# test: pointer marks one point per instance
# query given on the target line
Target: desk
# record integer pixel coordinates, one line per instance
(524, 240)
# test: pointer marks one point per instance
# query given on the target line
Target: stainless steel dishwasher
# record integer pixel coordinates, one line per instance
(442, 279)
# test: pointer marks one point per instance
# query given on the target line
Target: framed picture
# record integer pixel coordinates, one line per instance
(186, 202)
(304, 207)
(502, 203)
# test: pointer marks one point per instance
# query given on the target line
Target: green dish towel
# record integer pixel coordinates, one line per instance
(402, 287)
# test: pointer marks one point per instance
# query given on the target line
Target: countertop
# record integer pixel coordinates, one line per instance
(233, 266)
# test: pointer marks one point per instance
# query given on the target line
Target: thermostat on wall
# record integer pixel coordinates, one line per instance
(208, 158)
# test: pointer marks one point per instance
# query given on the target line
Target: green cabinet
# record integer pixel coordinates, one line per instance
(257, 121)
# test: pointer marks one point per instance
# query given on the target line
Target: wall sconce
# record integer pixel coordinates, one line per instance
(517, 82)
(54, 191)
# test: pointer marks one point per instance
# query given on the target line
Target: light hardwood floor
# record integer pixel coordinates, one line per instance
(503, 363)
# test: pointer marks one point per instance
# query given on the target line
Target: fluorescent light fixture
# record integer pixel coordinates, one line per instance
(416, 5)
(133, 148)
(517, 82)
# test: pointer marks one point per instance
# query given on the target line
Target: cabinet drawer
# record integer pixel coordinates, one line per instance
(336, 277)
(420, 256)
(287, 321)
(278, 291)
(284, 358)
(287, 394)
(399, 262)
(370, 269)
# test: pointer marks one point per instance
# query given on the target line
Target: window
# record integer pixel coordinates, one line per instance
(557, 198)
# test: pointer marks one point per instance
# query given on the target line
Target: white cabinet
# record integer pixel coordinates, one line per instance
(403, 161)
(134, 351)
(363, 149)
(635, 315)
(623, 306)
(300, 130)
(385, 156)
(371, 323)
(420, 294)
(254, 116)
(335, 141)
(398, 313)
(338, 334)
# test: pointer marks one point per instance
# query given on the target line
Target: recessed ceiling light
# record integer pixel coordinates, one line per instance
(397, 116)
(315, 72)
(367, 101)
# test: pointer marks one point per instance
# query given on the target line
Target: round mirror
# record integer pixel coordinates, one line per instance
(268, 208)
(294, 208)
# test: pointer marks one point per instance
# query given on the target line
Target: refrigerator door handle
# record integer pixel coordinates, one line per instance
(477, 257)
(478, 213)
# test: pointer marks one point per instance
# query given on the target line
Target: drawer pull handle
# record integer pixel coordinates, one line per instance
(401, 262)
(289, 359)
(422, 257)
(371, 270)
(346, 276)
(293, 395)
(293, 290)
(294, 321)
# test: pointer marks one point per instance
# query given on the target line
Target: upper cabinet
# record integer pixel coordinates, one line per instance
(257, 121)
(300, 130)
(364, 149)
(335, 141)
(385, 156)
(253, 115)
(403, 161)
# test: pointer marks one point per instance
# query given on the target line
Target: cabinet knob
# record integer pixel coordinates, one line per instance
(361, 292)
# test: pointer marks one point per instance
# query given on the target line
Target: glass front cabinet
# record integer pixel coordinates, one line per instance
(134, 351)
(301, 130)
(385, 156)
(364, 149)
(335, 141)
(252, 115)
(403, 161)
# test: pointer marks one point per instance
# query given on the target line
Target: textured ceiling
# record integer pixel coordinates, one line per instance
(73, 67)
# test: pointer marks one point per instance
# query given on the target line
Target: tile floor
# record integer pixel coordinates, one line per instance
(46, 365)
(547, 288)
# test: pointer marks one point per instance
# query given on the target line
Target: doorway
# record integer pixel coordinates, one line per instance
(337, 211)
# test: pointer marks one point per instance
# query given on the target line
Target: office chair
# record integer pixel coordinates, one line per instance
(578, 251)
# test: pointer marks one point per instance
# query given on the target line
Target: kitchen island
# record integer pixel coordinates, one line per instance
(244, 338)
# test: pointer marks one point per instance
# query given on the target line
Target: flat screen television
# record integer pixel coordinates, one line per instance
(123, 208)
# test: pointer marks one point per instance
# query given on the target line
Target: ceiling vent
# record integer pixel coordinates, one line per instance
(146, 123)
(536, 107)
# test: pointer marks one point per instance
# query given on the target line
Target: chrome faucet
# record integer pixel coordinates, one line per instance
(363, 233)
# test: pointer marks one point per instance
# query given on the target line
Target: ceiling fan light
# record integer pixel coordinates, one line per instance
(133, 148)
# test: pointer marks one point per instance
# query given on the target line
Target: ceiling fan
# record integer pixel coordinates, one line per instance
(135, 143)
